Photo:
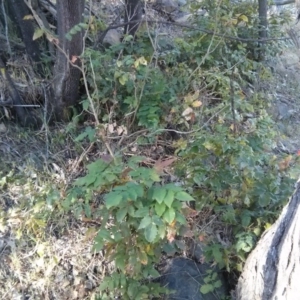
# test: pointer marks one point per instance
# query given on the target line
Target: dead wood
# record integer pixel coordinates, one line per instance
(272, 270)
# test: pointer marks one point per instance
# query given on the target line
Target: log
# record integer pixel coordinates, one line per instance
(272, 270)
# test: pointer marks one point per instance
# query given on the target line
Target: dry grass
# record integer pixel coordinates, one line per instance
(44, 252)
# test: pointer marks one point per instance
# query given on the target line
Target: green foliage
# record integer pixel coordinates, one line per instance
(134, 84)
(227, 162)
(142, 217)
(211, 282)
(238, 176)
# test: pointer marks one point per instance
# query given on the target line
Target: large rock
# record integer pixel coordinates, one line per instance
(112, 37)
(185, 277)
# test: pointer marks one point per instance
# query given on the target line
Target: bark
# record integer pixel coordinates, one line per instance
(67, 77)
(133, 14)
(263, 25)
(18, 10)
(272, 270)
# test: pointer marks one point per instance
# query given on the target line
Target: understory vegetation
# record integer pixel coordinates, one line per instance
(173, 140)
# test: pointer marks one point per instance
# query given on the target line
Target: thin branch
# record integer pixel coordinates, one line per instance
(210, 32)
(6, 28)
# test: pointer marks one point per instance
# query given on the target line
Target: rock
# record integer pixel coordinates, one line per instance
(167, 6)
(284, 110)
(181, 2)
(289, 58)
(112, 37)
(185, 278)
(184, 19)
(195, 251)
(2, 128)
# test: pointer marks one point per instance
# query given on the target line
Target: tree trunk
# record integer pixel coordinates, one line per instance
(19, 10)
(133, 14)
(263, 25)
(272, 270)
(66, 76)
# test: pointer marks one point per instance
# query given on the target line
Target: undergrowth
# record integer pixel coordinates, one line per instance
(207, 92)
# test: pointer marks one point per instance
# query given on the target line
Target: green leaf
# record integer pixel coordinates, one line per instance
(85, 104)
(183, 196)
(141, 212)
(206, 288)
(113, 199)
(180, 218)
(121, 214)
(103, 285)
(162, 231)
(160, 208)
(153, 272)
(69, 37)
(103, 234)
(37, 34)
(151, 233)
(169, 215)
(159, 194)
(168, 200)
(120, 261)
(218, 284)
(132, 290)
(145, 222)
(246, 219)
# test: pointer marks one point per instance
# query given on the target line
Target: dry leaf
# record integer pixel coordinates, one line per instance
(202, 237)
(285, 163)
(187, 112)
(160, 165)
(28, 17)
(106, 157)
(74, 59)
(171, 234)
(197, 103)
(187, 232)
(189, 212)
(191, 97)
(110, 128)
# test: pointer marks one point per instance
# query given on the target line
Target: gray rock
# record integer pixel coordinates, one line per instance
(167, 6)
(181, 2)
(195, 251)
(284, 111)
(184, 19)
(289, 58)
(112, 37)
(185, 278)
